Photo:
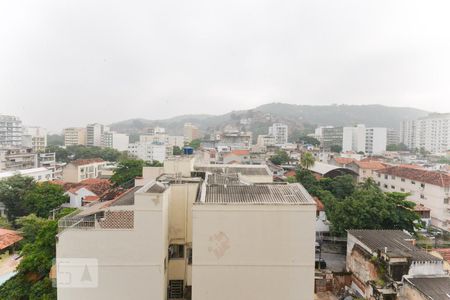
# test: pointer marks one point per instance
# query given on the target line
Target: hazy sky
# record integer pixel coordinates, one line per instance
(67, 63)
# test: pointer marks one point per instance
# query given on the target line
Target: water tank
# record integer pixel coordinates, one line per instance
(188, 150)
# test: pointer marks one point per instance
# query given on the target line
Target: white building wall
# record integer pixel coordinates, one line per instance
(253, 252)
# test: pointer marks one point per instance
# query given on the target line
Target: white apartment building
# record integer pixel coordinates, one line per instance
(428, 188)
(10, 131)
(431, 133)
(280, 132)
(370, 140)
(265, 141)
(94, 134)
(82, 169)
(150, 151)
(35, 138)
(253, 242)
(175, 236)
(14, 159)
(74, 136)
(161, 138)
(114, 140)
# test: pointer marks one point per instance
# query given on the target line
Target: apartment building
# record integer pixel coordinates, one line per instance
(35, 138)
(258, 260)
(10, 131)
(366, 168)
(162, 138)
(14, 159)
(265, 141)
(280, 132)
(150, 152)
(428, 188)
(114, 140)
(331, 136)
(360, 138)
(235, 139)
(94, 133)
(393, 137)
(190, 132)
(187, 233)
(431, 133)
(74, 136)
(82, 169)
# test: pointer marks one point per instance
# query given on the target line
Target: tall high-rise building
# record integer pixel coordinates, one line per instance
(370, 140)
(393, 137)
(114, 140)
(10, 131)
(280, 132)
(431, 133)
(74, 136)
(94, 134)
(190, 132)
(35, 138)
(331, 136)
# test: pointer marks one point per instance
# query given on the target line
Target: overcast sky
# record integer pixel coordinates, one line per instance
(67, 63)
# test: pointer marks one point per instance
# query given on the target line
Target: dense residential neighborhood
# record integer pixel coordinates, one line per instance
(198, 203)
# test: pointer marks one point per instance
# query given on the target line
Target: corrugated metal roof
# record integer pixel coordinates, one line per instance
(257, 194)
(396, 241)
(436, 288)
(261, 170)
(220, 179)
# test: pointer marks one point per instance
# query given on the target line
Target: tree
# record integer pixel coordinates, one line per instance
(30, 226)
(55, 139)
(127, 171)
(4, 223)
(309, 140)
(31, 280)
(281, 157)
(43, 197)
(340, 186)
(369, 208)
(61, 154)
(336, 148)
(177, 150)
(195, 144)
(397, 147)
(12, 193)
(307, 160)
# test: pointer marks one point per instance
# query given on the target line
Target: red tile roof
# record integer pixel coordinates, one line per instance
(445, 252)
(8, 238)
(319, 204)
(343, 160)
(411, 166)
(91, 198)
(95, 185)
(370, 164)
(290, 173)
(431, 177)
(82, 162)
(238, 152)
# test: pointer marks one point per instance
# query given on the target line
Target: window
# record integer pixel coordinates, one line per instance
(422, 185)
(378, 174)
(402, 189)
(176, 251)
(403, 179)
(385, 186)
(189, 256)
(422, 196)
(392, 187)
(413, 182)
(175, 289)
(386, 176)
(392, 177)
(446, 200)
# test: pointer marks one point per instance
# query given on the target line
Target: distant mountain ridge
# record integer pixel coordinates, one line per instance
(300, 118)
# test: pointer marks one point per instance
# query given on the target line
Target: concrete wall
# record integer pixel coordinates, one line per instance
(253, 252)
(131, 262)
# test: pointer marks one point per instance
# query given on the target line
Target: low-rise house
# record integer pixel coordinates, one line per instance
(86, 191)
(82, 169)
(425, 288)
(8, 240)
(429, 188)
(380, 258)
(342, 162)
(366, 168)
(241, 156)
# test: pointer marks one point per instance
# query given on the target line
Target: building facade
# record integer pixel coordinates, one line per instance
(431, 133)
(15, 159)
(114, 140)
(150, 152)
(360, 138)
(94, 133)
(74, 136)
(331, 136)
(35, 138)
(280, 132)
(190, 132)
(10, 131)
(82, 169)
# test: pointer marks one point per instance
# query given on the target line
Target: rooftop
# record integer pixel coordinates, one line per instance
(436, 288)
(251, 170)
(431, 177)
(82, 162)
(289, 194)
(370, 164)
(343, 160)
(397, 243)
(8, 238)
